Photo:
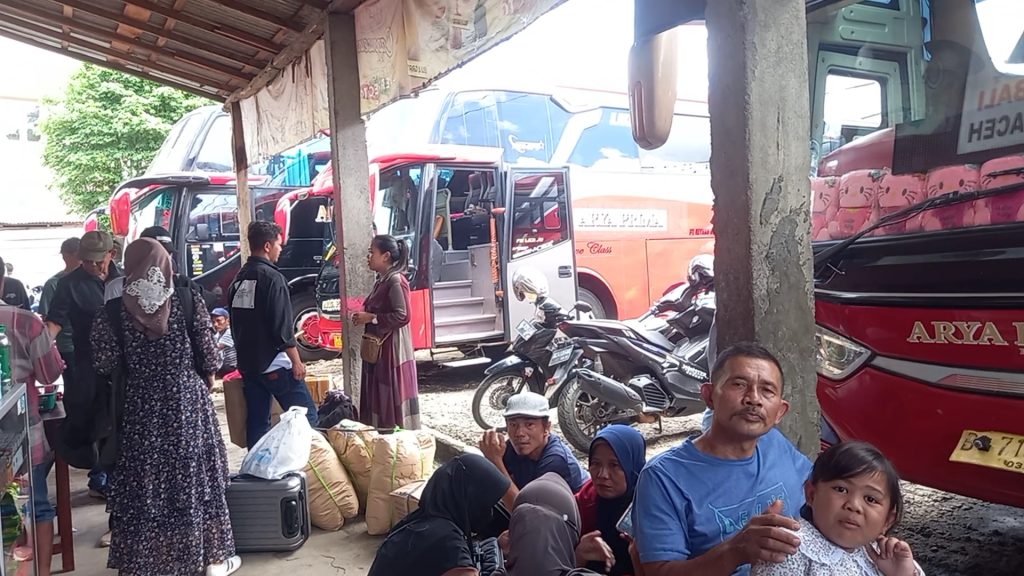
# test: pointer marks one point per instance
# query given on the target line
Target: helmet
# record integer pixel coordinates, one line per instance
(701, 269)
(529, 284)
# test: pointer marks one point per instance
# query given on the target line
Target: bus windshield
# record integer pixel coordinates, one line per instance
(915, 113)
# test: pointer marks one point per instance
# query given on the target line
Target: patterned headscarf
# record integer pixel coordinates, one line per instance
(148, 286)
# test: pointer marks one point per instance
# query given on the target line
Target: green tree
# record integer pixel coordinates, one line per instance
(106, 129)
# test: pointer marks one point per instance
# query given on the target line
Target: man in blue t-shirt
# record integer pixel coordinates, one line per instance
(713, 505)
(531, 450)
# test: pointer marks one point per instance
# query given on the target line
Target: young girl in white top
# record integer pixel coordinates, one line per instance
(853, 501)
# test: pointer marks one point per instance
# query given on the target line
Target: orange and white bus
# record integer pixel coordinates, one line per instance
(632, 230)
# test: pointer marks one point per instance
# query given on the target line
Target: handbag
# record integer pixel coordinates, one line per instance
(370, 348)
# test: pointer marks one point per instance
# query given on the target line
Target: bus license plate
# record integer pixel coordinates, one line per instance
(1005, 451)
(526, 330)
(561, 355)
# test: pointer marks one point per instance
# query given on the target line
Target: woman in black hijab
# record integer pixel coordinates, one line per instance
(457, 502)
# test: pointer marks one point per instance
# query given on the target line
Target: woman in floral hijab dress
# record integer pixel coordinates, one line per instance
(167, 502)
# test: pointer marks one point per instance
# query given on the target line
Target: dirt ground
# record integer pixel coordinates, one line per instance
(951, 535)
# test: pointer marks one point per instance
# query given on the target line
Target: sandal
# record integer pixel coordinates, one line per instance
(229, 566)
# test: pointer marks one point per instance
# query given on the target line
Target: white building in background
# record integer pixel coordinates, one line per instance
(33, 218)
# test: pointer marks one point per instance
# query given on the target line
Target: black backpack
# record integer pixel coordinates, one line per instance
(337, 406)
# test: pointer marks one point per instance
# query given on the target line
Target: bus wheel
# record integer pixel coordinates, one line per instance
(304, 306)
(595, 302)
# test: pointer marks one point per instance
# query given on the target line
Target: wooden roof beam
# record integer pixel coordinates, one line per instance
(212, 93)
(93, 31)
(260, 15)
(172, 35)
(242, 36)
(112, 53)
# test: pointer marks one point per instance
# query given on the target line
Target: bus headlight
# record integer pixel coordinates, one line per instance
(838, 357)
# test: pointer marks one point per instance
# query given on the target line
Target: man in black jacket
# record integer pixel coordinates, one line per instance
(261, 320)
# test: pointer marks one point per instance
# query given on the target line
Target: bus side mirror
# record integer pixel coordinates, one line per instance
(653, 70)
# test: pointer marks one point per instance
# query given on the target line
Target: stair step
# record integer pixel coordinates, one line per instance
(453, 290)
(458, 307)
(463, 320)
(453, 256)
(467, 337)
(455, 271)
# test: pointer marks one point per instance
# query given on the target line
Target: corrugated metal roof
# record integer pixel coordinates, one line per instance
(209, 47)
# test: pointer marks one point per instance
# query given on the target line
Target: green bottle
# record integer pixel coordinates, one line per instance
(5, 360)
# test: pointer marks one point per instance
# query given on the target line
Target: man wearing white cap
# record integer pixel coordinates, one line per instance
(531, 450)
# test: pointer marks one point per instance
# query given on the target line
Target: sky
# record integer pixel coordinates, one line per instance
(20, 69)
(584, 43)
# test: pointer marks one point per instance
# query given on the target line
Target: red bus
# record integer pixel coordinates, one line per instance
(917, 126)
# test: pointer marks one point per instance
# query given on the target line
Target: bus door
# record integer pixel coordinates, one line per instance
(538, 234)
(208, 232)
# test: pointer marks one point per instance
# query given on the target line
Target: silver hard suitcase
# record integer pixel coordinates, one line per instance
(269, 515)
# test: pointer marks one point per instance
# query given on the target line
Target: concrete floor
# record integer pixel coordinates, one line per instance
(348, 552)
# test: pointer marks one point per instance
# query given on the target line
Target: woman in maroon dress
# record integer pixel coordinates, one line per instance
(389, 393)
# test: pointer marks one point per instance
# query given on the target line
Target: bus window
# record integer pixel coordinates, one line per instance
(215, 155)
(538, 204)
(171, 156)
(689, 142)
(611, 139)
(153, 210)
(531, 126)
(211, 235)
(854, 107)
(471, 121)
(307, 219)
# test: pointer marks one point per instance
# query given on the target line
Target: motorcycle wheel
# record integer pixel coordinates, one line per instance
(492, 394)
(576, 419)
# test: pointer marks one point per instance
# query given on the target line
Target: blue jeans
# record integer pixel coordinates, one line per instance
(99, 480)
(42, 508)
(259, 389)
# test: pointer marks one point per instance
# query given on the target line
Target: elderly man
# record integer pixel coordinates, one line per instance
(714, 505)
(531, 450)
(79, 296)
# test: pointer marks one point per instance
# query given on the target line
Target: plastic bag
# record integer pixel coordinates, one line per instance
(283, 450)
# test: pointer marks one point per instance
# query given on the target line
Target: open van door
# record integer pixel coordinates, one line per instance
(538, 233)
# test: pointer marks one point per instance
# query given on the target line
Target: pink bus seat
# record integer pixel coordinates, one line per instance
(943, 181)
(1007, 207)
(858, 203)
(824, 205)
(896, 192)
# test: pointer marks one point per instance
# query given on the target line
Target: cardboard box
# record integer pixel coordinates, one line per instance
(406, 500)
(235, 409)
(318, 386)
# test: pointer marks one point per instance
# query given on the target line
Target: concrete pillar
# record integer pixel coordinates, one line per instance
(760, 162)
(352, 212)
(241, 160)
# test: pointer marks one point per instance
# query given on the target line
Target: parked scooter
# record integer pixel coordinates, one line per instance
(541, 357)
(639, 375)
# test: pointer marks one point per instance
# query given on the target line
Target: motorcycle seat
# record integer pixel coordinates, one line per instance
(652, 337)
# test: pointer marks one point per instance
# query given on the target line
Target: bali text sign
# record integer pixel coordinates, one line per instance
(993, 112)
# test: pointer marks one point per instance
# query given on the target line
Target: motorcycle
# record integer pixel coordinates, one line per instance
(632, 375)
(541, 359)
